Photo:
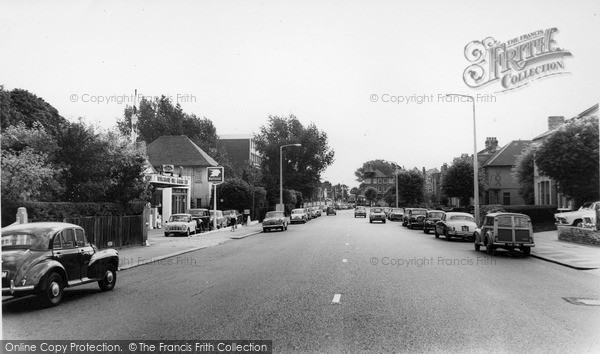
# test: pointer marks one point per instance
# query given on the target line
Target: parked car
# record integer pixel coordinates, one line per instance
(505, 230)
(433, 216)
(202, 217)
(239, 218)
(415, 217)
(377, 214)
(313, 212)
(396, 214)
(318, 211)
(275, 220)
(44, 258)
(578, 217)
(331, 211)
(299, 215)
(455, 224)
(360, 211)
(180, 224)
(405, 216)
(222, 220)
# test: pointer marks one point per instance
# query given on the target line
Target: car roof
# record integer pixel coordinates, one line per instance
(46, 228)
(507, 214)
(186, 214)
(456, 213)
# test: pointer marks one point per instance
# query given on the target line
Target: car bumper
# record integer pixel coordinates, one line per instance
(273, 226)
(376, 218)
(175, 233)
(513, 244)
(17, 290)
(416, 223)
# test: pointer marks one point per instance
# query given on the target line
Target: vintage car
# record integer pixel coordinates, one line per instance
(180, 224)
(313, 212)
(455, 224)
(275, 220)
(318, 211)
(360, 211)
(415, 217)
(299, 215)
(331, 211)
(579, 217)
(44, 258)
(505, 230)
(377, 214)
(202, 217)
(222, 220)
(433, 216)
(396, 214)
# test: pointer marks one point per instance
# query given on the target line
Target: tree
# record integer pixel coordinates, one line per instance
(458, 180)
(386, 167)
(355, 192)
(410, 187)
(371, 195)
(570, 157)
(302, 166)
(235, 194)
(160, 117)
(523, 173)
(390, 196)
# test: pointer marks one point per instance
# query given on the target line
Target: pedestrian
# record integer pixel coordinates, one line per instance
(233, 218)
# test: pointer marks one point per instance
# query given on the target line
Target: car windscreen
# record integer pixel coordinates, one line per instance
(435, 215)
(297, 211)
(521, 222)
(274, 214)
(21, 240)
(419, 212)
(462, 218)
(196, 212)
(175, 218)
(377, 210)
(397, 211)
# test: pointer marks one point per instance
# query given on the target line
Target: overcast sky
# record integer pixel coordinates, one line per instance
(332, 63)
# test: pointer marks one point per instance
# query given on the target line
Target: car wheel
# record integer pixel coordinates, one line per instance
(53, 294)
(166, 234)
(425, 230)
(477, 246)
(285, 227)
(109, 280)
(446, 235)
(264, 229)
(187, 233)
(526, 250)
(435, 232)
(489, 248)
(410, 226)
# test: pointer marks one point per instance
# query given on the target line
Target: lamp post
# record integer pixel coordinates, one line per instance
(475, 162)
(281, 172)
(396, 175)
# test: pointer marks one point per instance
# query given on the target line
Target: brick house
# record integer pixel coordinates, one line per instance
(500, 185)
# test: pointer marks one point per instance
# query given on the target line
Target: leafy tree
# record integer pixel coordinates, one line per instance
(570, 157)
(523, 173)
(458, 180)
(390, 196)
(302, 166)
(160, 117)
(371, 195)
(355, 192)
(20, 106)
(385, 167)
(410, 187)
(235, 193)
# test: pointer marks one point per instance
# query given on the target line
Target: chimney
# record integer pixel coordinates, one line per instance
(555, 121)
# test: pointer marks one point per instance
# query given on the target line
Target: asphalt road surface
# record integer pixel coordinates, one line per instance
(335, 284)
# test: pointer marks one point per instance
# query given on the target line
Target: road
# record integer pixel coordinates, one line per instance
(395, 289)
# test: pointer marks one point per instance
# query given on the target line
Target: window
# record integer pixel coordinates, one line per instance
(380, 180)
(68, 238)
(489, 221)
(506, 198)
(544, 193)
(504, 221)
(80, 238)
(56, 244)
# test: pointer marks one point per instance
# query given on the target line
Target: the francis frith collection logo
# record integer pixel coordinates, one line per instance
(516, 62)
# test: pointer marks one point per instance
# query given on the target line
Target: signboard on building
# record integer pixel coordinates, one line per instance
(215, 175)
(168, 169)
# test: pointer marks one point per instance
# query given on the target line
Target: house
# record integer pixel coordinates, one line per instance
(501, 187)
(545, 189)
(182, 179)
(240, 150)
(378, 180)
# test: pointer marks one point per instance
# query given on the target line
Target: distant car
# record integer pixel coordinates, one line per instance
(455, 224)
(222, 220)
(505, 230)
(239, 218)
(433, 216)
(360, 211)
(396, 214)
(377, 214)
(313, 212)
(44, 258)
(415, 217)
(275, 220)
(202, 217)
(318, 211)
(298, 215)
(585, 214)
(331, 211)
(180, 224)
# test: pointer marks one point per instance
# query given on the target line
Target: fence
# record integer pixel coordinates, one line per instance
(120, 230)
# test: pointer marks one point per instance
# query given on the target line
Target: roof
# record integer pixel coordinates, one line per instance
(593, 109)
(507, 155)
(177, 150)
(236, 136)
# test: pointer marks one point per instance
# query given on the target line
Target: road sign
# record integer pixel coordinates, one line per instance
(215, 175)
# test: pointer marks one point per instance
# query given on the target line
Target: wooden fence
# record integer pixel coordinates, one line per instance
(120, 230)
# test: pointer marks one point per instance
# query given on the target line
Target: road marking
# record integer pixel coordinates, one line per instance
(590, 302)
(345, 260)
(336, 298)
(347, 244)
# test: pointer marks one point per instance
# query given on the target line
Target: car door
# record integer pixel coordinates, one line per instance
(438, 228)
(86, 251)
(65, 251)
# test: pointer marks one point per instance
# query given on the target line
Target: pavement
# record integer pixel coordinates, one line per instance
(160, 247)
(547, 247)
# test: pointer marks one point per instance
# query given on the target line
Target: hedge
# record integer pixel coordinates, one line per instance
(57, 211)
(539, 214)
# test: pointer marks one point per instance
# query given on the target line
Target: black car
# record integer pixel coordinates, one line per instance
(433, 216)
(331, 211)
(202, 217)
(46, 257)
(415, 217)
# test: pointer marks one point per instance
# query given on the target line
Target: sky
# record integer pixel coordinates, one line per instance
(373, 75)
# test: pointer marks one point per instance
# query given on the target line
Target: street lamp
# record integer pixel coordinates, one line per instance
(475, 167)
(281, 172)
(396, 174)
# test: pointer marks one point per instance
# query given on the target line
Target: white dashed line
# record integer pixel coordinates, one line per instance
(336, 298)
(347, 244)
(345, 260)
